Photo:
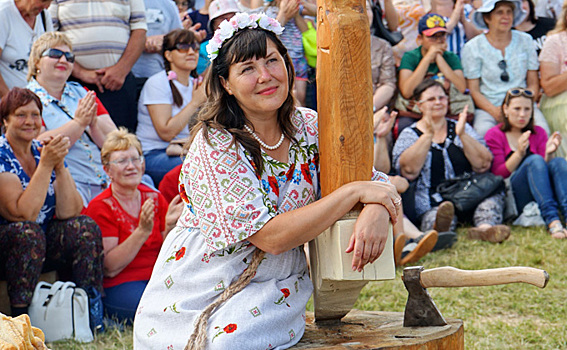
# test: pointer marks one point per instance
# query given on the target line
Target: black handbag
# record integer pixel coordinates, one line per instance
(467, 191)
(380, 29)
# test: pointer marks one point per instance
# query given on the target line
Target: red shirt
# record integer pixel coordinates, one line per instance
(114, 221)
(169, 185)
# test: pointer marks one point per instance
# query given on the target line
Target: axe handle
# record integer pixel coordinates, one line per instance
(452, 277)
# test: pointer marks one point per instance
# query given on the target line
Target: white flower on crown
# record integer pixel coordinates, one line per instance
(240, 21)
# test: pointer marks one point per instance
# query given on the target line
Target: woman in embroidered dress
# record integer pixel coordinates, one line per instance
(523, 152)
(168, 103)
(39, 206)
(435, 149)
(132, 219)
(250, 185)
(70, 110)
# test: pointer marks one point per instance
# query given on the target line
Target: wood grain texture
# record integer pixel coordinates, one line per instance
(344, 93)
(379, 330)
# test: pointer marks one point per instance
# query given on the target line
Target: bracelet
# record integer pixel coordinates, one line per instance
(301, 8)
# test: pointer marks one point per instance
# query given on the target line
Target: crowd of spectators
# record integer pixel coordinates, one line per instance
(473, 87)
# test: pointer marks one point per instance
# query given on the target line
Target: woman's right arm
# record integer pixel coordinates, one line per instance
(413, 158)
(118, 256)
(168, 127)
(74, 128)
(291, 229)
(553, 81)
(17, 204)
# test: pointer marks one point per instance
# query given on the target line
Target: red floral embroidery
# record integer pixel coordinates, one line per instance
(180, 253)
(274, 185)
(306, 173)
(230, 328)
(183, 194)
(289, 173)
(285, 292)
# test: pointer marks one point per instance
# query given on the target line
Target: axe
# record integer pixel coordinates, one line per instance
(421, 311)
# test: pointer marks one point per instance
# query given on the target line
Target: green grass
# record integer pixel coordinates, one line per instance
(513, 316)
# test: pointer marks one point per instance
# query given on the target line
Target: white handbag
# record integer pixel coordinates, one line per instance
(61, 311)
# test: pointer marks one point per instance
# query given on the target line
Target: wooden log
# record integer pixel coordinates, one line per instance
(344, 93)
(365, 330)
(344, 97)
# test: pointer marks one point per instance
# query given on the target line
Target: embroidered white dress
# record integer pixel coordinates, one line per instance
(208, 250)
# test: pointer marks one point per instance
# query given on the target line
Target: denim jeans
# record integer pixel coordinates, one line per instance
(121, 301)
(547, 182)
(158, 164)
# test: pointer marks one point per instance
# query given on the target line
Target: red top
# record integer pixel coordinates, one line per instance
(169, 185)
(114, 221)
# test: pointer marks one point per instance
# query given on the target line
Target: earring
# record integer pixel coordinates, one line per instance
(37, 71)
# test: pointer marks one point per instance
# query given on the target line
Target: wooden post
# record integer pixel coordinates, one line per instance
(344, 99)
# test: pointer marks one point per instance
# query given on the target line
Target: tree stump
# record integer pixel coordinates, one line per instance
(372, 330)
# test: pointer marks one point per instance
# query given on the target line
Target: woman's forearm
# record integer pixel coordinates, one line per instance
(291, 229)
(72, 129)
(68, 201)
(478, 155)
(117, 258)
(413, 158)
(28, 205)
(100, 127)
(168, 129)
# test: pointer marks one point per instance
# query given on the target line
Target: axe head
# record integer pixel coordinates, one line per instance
(420, 311)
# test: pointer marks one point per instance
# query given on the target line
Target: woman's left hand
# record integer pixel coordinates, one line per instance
(460, 128)
(199, 93)
(553, 143)
(369, 237)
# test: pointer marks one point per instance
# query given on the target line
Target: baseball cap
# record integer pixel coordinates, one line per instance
(430, 24)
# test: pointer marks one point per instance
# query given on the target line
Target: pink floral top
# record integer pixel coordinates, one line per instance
(555, 50)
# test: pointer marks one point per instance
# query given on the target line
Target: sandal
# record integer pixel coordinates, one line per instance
(557, 231)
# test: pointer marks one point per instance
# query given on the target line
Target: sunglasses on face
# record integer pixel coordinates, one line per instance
(56, 54)
(184, 47)
(504, 76)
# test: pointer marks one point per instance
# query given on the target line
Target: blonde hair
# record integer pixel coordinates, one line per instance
(561, 23)
(119, 140)
(44, 42)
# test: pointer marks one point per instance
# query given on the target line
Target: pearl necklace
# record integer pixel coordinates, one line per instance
(262, 143)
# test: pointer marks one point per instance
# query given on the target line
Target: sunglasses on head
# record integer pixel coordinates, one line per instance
(504, 76)
(56, 54)
(519, 92)
(184, 47)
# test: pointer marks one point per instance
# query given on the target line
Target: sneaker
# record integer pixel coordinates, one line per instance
(493, 234)
(445, 240)
(399, 244)
(417, 248)
(444, 217)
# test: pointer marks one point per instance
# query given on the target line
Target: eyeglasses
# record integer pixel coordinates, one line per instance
(137, 161)
(184, 47)
(518, 92)
(56, 54)
(504, 76)
(441, 99)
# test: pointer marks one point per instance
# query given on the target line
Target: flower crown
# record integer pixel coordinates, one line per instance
(240, 21)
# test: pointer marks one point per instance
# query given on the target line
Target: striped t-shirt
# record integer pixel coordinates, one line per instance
(98, 29)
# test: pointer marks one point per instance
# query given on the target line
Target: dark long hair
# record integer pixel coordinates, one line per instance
(176, 36)
(222, 112)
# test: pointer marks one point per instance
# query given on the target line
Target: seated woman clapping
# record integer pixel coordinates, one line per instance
(523, 152)
(435, 149)
(70, 110)
(132, 218)
(39, 206)
(168, 102)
